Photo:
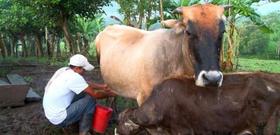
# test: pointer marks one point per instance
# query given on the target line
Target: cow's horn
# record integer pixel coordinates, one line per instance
(226, 7)
(178, 10)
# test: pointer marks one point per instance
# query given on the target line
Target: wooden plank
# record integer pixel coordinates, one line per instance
(2, 82)
(16, 79)
(12, 95)
(32, 96)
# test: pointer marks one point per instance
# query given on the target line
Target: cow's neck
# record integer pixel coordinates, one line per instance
(180, 46)
(187, 57)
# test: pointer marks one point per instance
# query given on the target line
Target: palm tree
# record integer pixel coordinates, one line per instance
(86, 30)
(238, 10)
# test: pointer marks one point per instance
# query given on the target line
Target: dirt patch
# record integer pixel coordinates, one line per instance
(29, 119)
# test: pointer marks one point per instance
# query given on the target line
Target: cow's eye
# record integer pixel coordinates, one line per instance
(188, 32)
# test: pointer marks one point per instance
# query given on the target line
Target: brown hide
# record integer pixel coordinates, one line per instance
(132, 61)
(177, 106)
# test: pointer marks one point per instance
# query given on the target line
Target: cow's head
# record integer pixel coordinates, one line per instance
(125, 125)
(203, 28)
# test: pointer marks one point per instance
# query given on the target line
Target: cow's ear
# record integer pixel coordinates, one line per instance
(169, 23)
(178, 10)
(178, 26)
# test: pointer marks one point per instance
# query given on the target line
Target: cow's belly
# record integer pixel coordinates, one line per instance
(121, 70)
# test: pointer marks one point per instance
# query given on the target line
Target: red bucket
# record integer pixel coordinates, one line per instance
(101, 117)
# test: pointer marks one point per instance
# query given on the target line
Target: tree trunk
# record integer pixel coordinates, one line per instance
(127, 19)
(161, 10)
(229, 58)
(79, 42)
(7, 44)
(38, 45)
(85, 46)
(51, 43)
(141, 13)
(149, 13)
(67, 34)
(13, 45)
(58, 49)
(31, 47)
(48, 43)
(230, 54)
(3, 47)
(24, 48)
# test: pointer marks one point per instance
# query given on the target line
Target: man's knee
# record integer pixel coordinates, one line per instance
(90, 103)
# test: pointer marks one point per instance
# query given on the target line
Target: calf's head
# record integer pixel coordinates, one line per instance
(202, 28)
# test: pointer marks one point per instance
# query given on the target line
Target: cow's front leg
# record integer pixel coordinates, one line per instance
(141, 97)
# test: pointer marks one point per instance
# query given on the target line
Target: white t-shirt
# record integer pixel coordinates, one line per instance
(59, 92)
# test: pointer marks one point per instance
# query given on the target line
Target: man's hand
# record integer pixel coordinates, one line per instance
(109, 91)
(111, 94)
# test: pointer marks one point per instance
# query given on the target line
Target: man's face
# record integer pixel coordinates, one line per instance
(79, 70)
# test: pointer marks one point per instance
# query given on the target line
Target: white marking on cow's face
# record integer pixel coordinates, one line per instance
(224, 18)
(245, 132)
(205, 78)
(270, 89)
(130, 124)
(116, 132)
(199, 81)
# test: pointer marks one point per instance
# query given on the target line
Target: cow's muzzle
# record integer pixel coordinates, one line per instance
(209, 78)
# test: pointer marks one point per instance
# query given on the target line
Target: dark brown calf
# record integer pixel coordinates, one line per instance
(245, 102)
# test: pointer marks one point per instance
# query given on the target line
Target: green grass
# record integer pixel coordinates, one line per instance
(246, 64)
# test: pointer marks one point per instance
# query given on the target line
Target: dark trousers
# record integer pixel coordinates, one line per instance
(80, 110)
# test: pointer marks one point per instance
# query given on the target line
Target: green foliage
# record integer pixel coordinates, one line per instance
(69, 8)
(28, 79)
(243, 8)
(136, 11)
(245, 64)
(139, 13)
(186, 2)
(89, 28)
(278, 128)
(253, 41)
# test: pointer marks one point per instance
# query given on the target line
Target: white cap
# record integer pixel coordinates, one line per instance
(80, 61)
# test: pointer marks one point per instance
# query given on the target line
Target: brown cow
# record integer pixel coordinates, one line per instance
(132, 61)
(244, 104)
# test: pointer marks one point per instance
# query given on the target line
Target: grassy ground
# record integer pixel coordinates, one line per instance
(245, 64)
